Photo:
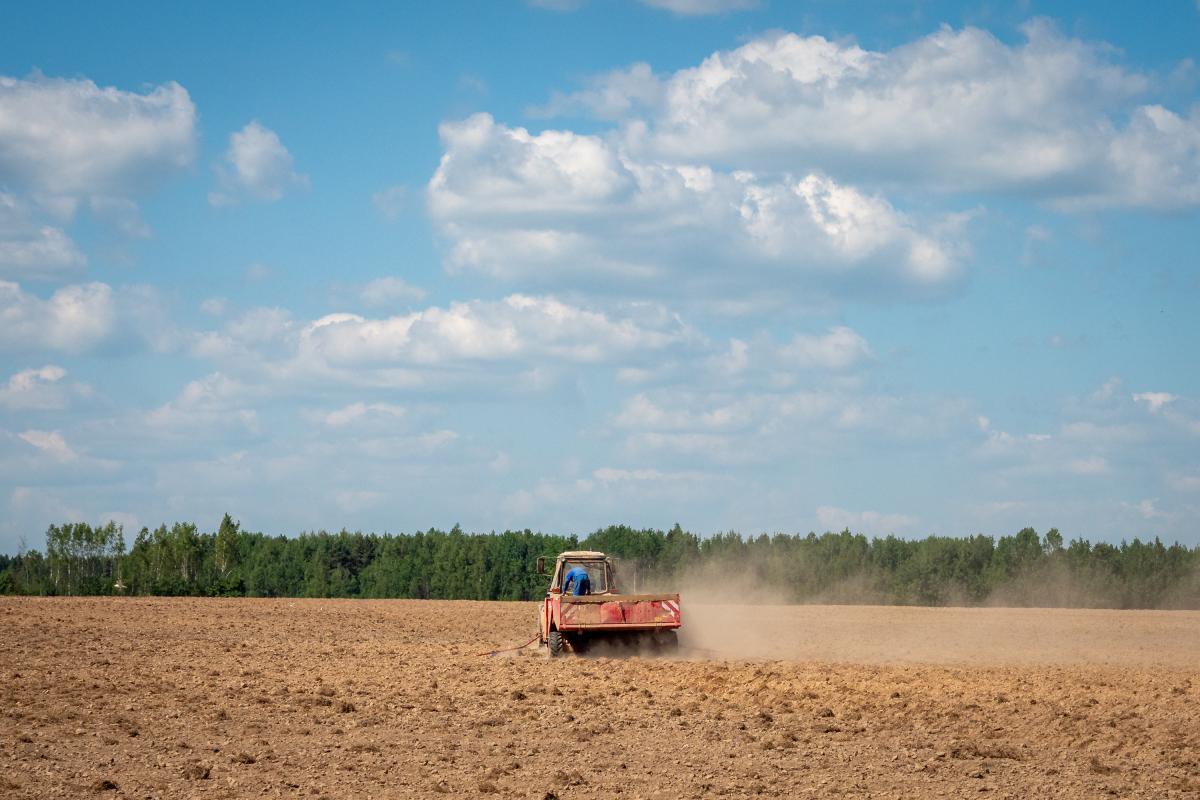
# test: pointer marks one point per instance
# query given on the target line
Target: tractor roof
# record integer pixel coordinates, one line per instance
(582, 554)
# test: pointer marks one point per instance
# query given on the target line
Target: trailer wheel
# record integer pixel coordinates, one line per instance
(555, 642)
(667, 642)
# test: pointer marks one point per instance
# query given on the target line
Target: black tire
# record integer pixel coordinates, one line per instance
(555, 642)
(667, 642)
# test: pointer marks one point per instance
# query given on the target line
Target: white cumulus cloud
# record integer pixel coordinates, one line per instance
(1053, 116)
(33, 250)
(74, 318)
(211, 404)
(69, 143)
(256, 165)
(84, 317)
(66, 139)
(520, 341)
(840, 348)
(519, 326)
(558, 206)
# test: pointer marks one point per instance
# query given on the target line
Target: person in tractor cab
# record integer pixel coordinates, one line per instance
(577, 582)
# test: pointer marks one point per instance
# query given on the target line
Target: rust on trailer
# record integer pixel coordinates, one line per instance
(618, 610)
(602, 598)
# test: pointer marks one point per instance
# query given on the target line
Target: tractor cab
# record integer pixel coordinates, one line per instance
(599, 569)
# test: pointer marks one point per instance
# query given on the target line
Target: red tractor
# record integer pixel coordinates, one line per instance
(582, 606)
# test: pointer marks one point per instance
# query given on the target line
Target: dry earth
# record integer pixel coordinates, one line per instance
(180, 698)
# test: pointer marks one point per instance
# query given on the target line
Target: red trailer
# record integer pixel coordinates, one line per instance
(569, 620)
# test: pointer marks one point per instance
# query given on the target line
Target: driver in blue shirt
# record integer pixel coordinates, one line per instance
(577, 582)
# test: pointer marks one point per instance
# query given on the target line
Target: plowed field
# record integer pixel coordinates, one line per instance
(179, 698)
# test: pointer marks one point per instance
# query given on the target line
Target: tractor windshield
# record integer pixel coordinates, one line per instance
(597, 574)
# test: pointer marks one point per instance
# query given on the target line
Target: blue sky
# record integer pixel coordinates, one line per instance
(909, 268)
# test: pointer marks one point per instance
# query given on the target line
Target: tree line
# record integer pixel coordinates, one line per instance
(1023, 569)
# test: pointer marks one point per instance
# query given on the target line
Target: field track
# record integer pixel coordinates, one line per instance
(181, 698)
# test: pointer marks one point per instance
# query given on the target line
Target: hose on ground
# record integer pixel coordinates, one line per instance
(509, 649)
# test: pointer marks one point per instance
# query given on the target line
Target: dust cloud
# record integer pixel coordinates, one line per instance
(1046, 585)
(1043, 620)
(907, 634)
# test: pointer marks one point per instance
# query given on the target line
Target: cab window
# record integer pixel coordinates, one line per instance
(596, 571)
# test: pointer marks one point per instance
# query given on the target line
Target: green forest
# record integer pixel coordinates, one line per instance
(1025, 569)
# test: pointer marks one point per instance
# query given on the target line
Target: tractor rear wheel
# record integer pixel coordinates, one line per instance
(555, 643)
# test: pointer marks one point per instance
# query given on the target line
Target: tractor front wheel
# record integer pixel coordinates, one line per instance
(555, 642)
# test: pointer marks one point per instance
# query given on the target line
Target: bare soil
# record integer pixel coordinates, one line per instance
(180, 698)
